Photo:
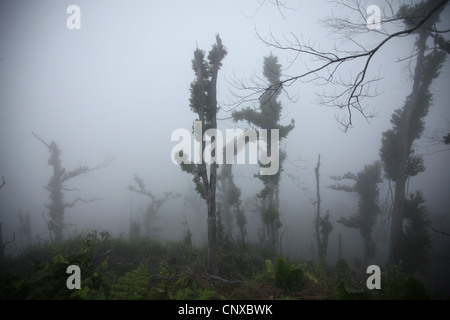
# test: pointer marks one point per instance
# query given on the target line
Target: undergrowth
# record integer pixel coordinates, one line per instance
(143, 269)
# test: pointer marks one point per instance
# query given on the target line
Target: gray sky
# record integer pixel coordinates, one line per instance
(120, 86)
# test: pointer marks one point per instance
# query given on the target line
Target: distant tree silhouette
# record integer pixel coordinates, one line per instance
(153, 207)
(25, 225)
(366, 189)
(268, 118)
(57, 186)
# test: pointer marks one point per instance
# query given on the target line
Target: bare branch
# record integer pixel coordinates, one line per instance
(353, 93)
(3, 182)
(437, 231)
(11, 241)
(72, 204)
(41, 140)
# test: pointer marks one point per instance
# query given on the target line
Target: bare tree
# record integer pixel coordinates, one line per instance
(317, 217)
(56, 186)
(153, 207)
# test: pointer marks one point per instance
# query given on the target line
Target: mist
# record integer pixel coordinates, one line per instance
(113, 91)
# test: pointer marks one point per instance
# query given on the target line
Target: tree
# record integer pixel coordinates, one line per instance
(419, 20)
(57, 186)
(25, 225)
(415, 241)
(322, 225)
(446, 139)
(366, 189)
(349, 94)
(230, 200)
(325, 228)
(396, 152)
(153, 207)
(317, 217)
(203, 102)
(4, 244)
(268, 118)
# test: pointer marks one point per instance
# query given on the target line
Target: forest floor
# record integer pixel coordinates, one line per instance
(145, 269)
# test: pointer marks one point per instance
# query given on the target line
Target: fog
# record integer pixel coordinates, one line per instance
(118, 87)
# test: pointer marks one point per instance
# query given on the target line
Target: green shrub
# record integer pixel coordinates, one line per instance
(287, 277)
(414, 289)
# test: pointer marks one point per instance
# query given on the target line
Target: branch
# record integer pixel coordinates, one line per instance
(354, 93)
(85, 169)
(3, 182)
(437, 231)
(41, 140)
(9, 242)
(72, 204)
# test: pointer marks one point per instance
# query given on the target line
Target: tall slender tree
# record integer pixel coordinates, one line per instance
(268, 117)
(396, 152)
(203, 102)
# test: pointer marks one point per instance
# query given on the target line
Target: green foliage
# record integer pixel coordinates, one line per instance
(414, 289)
(48, 281)
(193, 294)
(397, 285)
(287, 277)
(416, 241)
(346, 292)
(120, 268)
(132, 286)
(347, 287)
(270, 269)
(390, 152)
(342, 270)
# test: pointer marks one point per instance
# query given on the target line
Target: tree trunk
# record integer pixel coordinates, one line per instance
(213, 266)
(317, 219)
(339, 254)
(212, 224)
(404, 146)
(2, 247)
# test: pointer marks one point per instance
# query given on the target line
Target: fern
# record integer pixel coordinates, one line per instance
(132, 286)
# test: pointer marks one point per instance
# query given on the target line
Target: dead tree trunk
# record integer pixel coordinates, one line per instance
(3, 245)
(339, 254)
(317, 218)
